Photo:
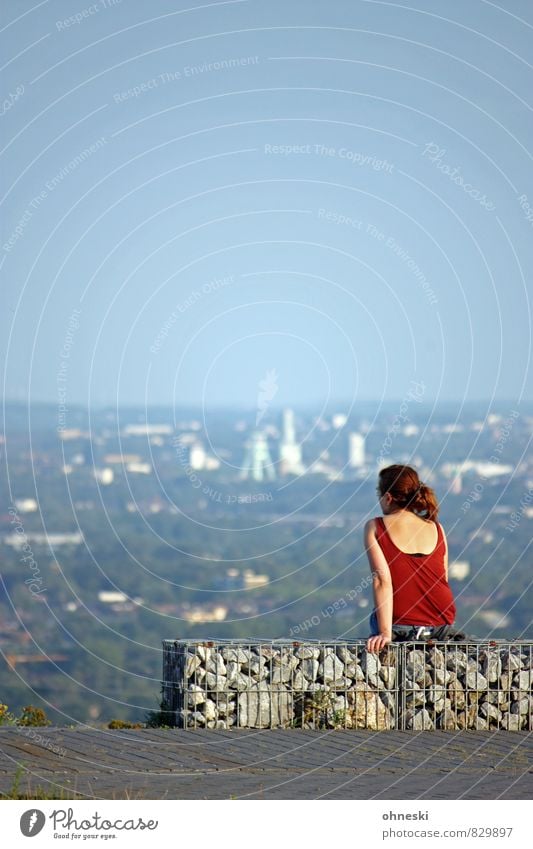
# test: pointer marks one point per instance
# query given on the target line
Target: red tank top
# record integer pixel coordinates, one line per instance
(421, 593)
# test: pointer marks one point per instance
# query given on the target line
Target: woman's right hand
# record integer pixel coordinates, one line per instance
(378, 642)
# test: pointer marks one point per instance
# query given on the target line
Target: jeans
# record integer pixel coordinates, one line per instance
(374, 627)
(440, 632)
(373, 621)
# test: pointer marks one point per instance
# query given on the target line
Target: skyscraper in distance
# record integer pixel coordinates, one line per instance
(290, 452)
(356, 450)
(257, 463)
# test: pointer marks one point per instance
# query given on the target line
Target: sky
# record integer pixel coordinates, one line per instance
(326, 200)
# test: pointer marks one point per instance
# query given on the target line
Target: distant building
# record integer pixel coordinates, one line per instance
(111, 597)
(494, 619)
(72, 433)
(148, 430)
(480, 467)
(104, 476)
(257, 463)
(119, 459)
(457, 485)
(338, 420)
(252, 579)
(197, 456)
(216, 613)
(139, 468)
(26, 505)
(19, 540)
(356, 450)
(459, 570)
(290, 452)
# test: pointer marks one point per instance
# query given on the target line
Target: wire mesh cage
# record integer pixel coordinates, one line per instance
(280, 684)
(477, 685)
(407, 686)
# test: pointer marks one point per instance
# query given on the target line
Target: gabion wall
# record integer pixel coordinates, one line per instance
(412, 686)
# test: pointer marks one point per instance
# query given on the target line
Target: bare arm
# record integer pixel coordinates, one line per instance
(382, 585)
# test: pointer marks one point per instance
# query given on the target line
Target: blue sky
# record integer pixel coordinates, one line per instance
(196, 194)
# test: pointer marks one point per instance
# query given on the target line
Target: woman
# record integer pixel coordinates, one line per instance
(408, 557)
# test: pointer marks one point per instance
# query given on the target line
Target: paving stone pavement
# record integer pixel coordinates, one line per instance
(267, 764)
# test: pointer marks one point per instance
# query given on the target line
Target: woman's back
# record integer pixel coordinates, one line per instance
(411, 533)
(421, 594)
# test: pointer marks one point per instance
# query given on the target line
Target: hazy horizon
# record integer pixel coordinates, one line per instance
(336, 194)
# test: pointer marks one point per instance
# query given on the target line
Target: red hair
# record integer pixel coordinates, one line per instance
(408, 491)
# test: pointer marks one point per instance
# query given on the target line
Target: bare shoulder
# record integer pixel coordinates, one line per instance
(370, 528)
(442, 532)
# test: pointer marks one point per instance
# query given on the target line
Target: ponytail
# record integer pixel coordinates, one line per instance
(424, 501)
(408, 491)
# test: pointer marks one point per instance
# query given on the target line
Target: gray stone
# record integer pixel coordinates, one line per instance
(370, 664)
(436, 657)
(191, 719)
(239, 682)
(354, 671)
(522, 706)
(210, 710)
(310, 669)
(524, 680)
(281, 674)
(204, 653)
(307, 653)
(218, 683)
(490, 711)
(331, 669)
(476, 681)
(192, 664)
(366, 710)
(491, 665)
(225, 707)
(195, 695)
(511, 722)
(284, 658)
(467, 718)
(299, 682)
(255, 666)
(441, 675)
(263, 707)
(436, 697)
(345, 654)
(235, 654)
(415, 671)
(387, 674)
(418, 720)
(216, 664)
(497, 697)
(416, 656)
(414, 696)
(269, 653)
(457, 661)
(341, 683)
(456, 695)
(448, 720)
(510, 661)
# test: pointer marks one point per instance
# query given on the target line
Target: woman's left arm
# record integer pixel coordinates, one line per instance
(382, 583)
